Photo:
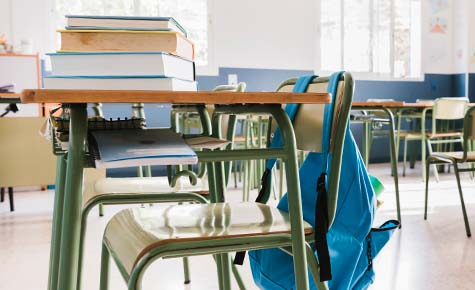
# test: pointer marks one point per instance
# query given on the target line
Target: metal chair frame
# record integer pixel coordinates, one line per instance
(447, 158)
(300, 249)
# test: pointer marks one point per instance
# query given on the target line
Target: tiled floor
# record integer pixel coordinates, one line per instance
(432, 254)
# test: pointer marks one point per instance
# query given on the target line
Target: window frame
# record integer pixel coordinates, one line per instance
(369, 75)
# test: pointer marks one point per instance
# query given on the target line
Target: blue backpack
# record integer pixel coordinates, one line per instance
(345, 250)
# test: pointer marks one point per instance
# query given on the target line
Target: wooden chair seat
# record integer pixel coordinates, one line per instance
(418, 136)
(134, 232)
(140, 185)
(453, 156)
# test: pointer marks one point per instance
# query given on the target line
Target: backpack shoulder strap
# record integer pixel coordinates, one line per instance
(321, 205)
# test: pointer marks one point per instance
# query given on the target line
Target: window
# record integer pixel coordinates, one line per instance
(371, 36)
(191, 14)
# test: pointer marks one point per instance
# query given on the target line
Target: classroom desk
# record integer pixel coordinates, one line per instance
(68, 195)
(389, 108)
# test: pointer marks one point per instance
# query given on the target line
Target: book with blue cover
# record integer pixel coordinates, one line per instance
(140, 147)
(121, 64)
(123, 22)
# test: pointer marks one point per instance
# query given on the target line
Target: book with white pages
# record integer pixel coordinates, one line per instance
(206, 142)
(154, 83)
(121, 64)
(123, 22)
(116, 40)
(139, 147)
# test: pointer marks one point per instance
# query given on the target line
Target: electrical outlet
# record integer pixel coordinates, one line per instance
(232, 79)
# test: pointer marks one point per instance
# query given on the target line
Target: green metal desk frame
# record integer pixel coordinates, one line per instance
(68, 196)
(393, 153)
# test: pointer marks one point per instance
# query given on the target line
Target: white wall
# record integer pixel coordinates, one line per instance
(436, 47)
(471, 35)
(265, 33)
(5, 18)
(28, 19)
(460, 36)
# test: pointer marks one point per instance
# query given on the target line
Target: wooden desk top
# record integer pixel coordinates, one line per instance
(174, 97)
(9, 95)
(9, 98)
(420, 105)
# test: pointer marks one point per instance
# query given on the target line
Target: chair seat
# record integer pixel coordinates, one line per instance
(368, 118)
(418, 135)
(155, 185)
(242, 139)
(206, 142)
(457, 156)
(133, 232)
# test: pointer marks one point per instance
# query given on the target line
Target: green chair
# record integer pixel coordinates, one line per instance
(411, 116)
(372, 127)
(444, 110)
(186, 118)
(456, 159)
(135, 238)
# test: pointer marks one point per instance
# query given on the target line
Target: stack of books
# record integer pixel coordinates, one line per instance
(126, 53)
(123, 53)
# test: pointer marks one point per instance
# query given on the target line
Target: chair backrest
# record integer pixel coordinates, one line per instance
(308, 126)
(240, 87)
(425, 101)
(380, 100)
(469, 124)
(449, 108)
(308, 123)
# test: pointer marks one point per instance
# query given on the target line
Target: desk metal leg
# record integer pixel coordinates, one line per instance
(220, 197)
(70, 232)
(295, 200)
(366, 142)
(394, 161)
(56, 224)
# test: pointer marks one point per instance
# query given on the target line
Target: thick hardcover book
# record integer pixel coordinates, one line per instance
(121, 64)
(126, 40)
(123, 22)
(127, 148)
(156, 83)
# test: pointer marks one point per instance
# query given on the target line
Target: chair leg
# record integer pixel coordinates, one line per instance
(235, 169)
(427, 188)
(104, 279)
(2, 194)
(313, 267)
(281, 178)
(101, 209)
(467, 226)
(404, 158)
(235, 272)
(186, 270)
(226, 271)
(82, 238)
(237, 277)
(366, 143)
(434, 167)
(10, 197)
(219, 269)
